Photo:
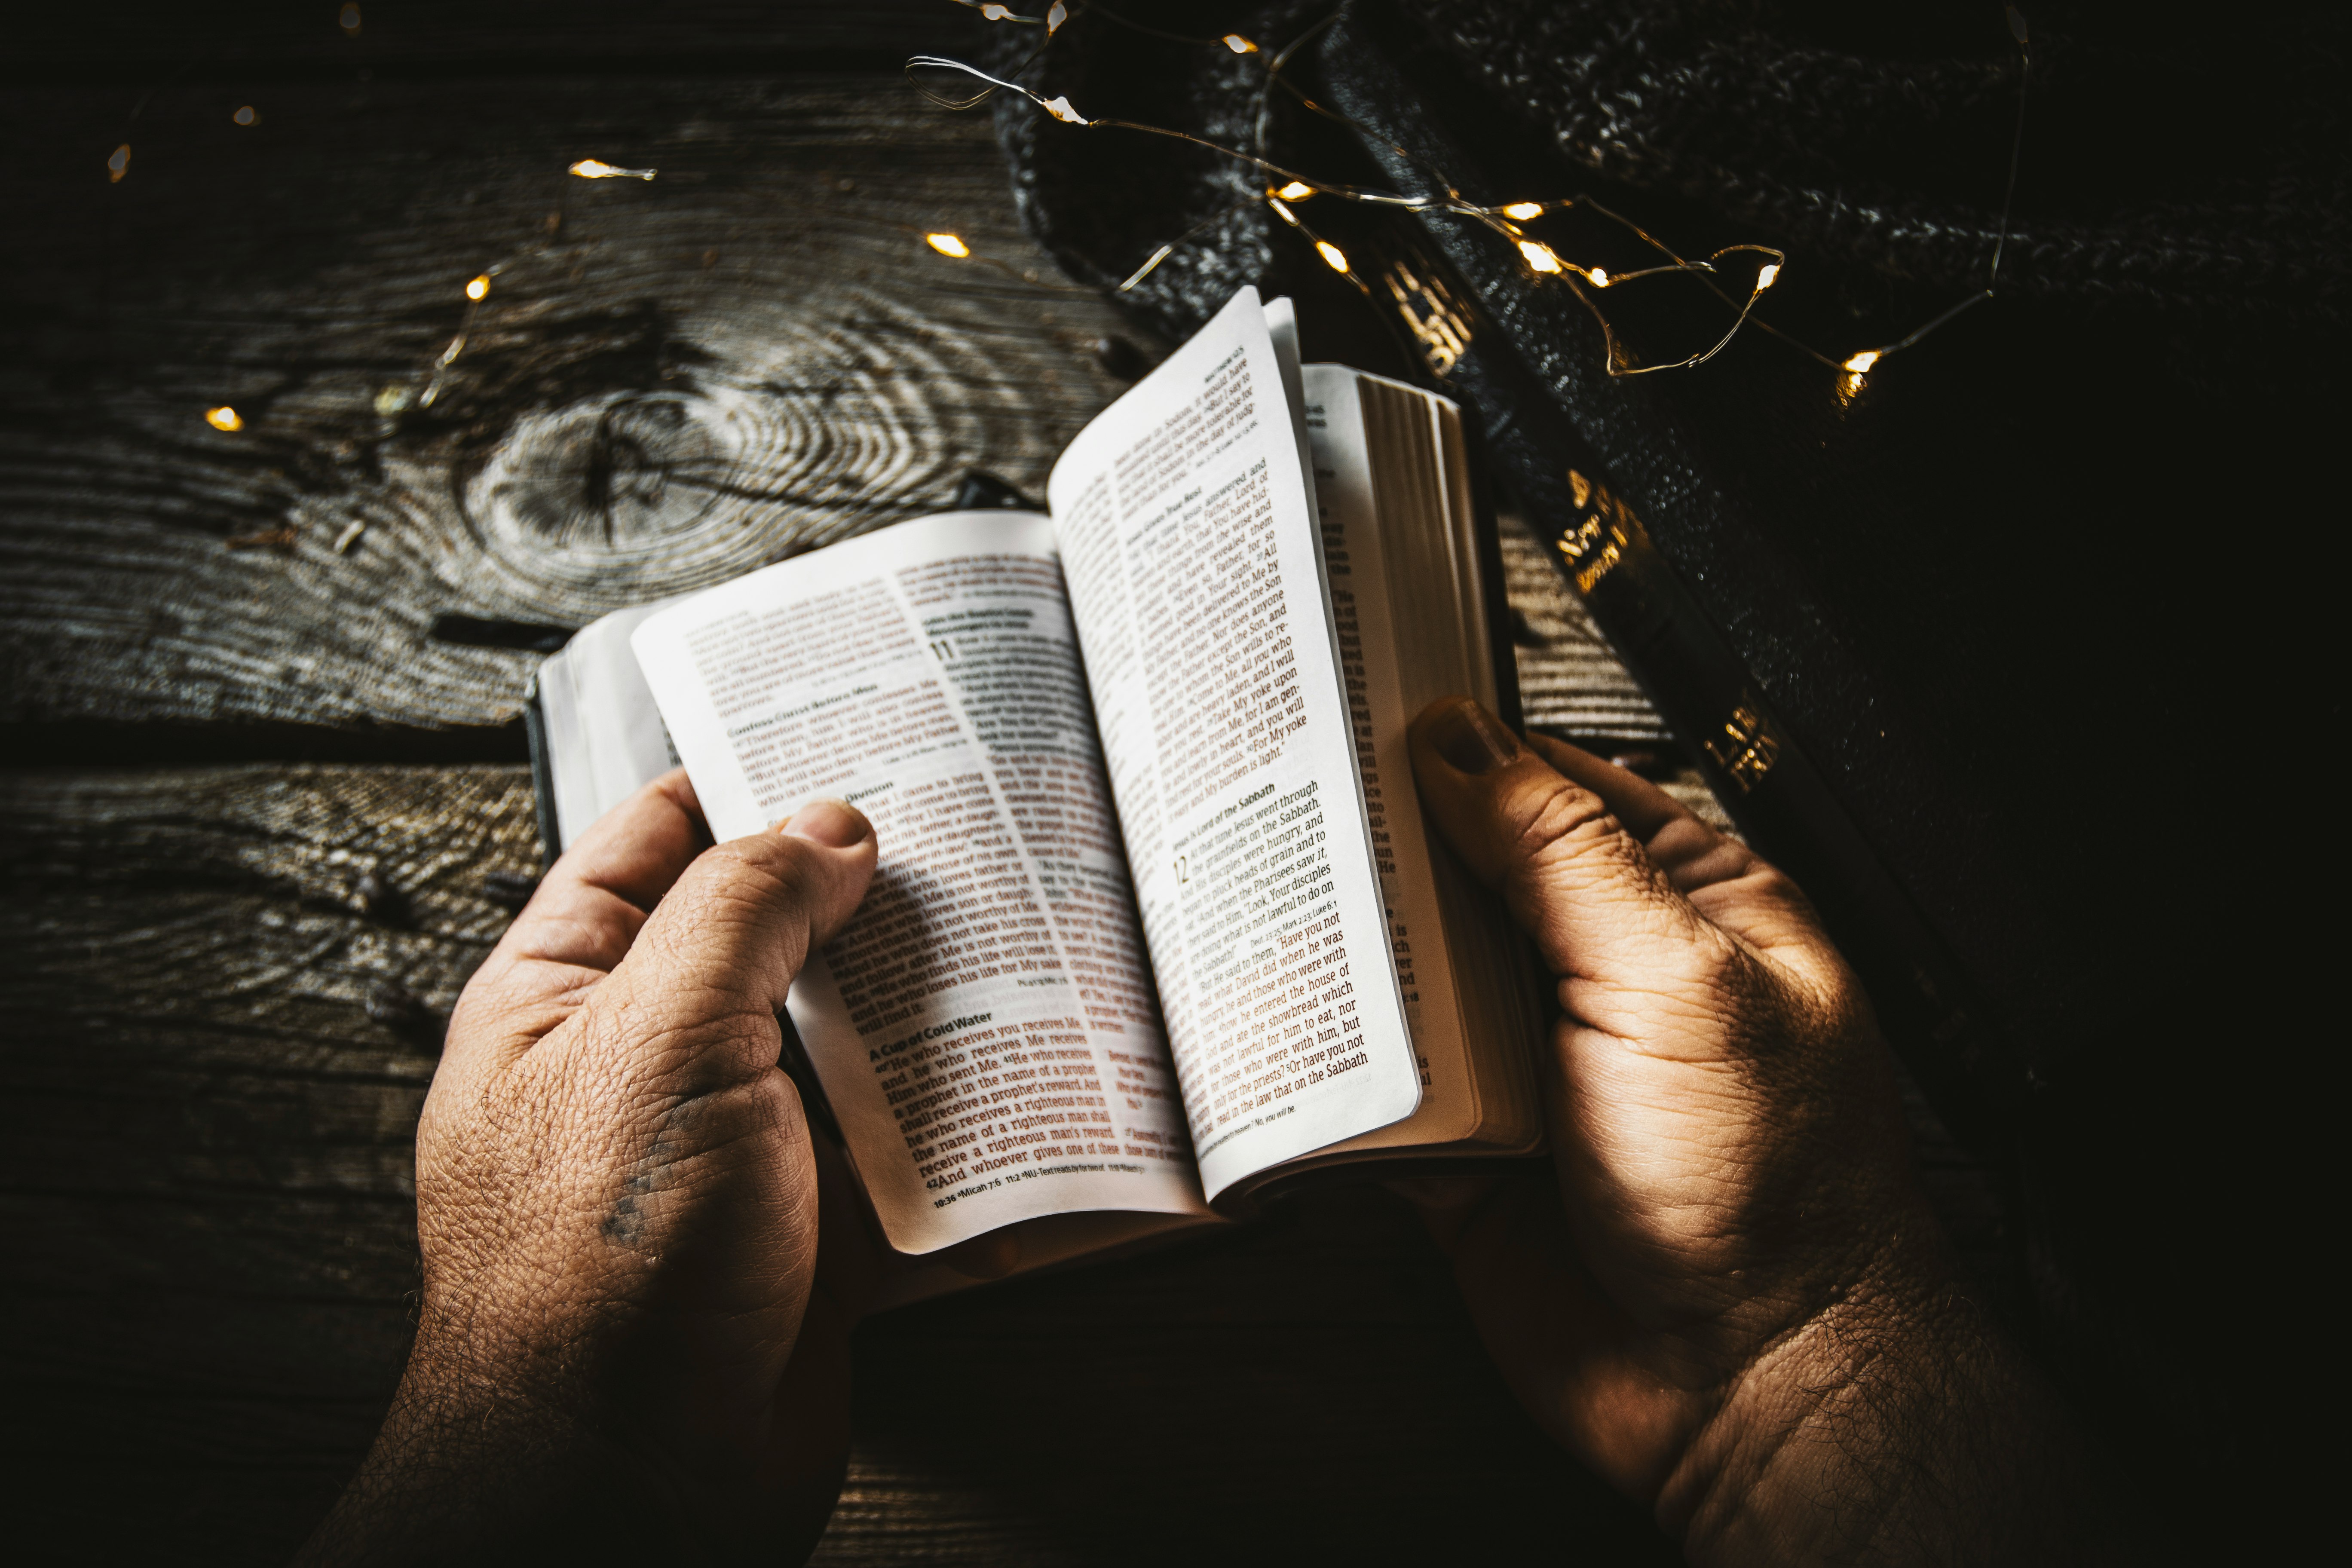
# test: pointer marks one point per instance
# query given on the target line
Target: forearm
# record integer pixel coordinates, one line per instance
(538, 1462)
(462, 1473)
(1898, 1426)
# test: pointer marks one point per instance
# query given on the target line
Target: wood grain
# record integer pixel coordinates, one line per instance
(205, 1142)
(1570, 679)
(221, 1030)
(205, 1174)
(679, 381)
(143, 42)
(669, 384)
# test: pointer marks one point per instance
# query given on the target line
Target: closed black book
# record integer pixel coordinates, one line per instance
(2036, 628)
(1515, 350)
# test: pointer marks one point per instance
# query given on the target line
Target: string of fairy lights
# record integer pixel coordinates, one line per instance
(397, 397)
(1286, 189)
(957, 85)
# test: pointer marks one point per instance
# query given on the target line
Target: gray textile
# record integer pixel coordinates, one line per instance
(2172, 162)
(2033, 601)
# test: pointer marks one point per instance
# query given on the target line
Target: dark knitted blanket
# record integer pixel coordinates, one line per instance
(2051, 605)
(2176, 159)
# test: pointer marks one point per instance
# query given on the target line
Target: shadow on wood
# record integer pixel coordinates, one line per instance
(207, 1138)
(668, 382)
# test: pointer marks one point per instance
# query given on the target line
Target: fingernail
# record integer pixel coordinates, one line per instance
(836, 824)
(1472, 739)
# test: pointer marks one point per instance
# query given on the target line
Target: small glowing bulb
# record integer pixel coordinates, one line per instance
(1056, 17)
(1539, 256)
(1860, 363)
(1333, 254)
(1239, 46)
(246, 116)
(224, 418)
(1524, 210)
(1771, 270)
(1599, 277)
(597, 168)
(479, 288)
(1059, 107)
(996, 13)
(948, 245)
(349, 20)
(1297, 191)
(118, 164)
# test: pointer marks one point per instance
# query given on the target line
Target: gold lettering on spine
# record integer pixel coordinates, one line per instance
(1596, 542)
(1430, 315)
(1611, 553)
(1606, 532)
(1747, 748)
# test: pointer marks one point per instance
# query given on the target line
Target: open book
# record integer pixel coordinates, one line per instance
(1157, 922)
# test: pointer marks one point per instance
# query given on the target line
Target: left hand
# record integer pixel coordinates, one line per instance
(621, 1341)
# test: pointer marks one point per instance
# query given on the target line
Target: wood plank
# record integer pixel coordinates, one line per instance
(145, 40)
(204, 1172)
(688, 378)
(204, 1152)
(204, 1139)
(1570, 679)
(683, 379)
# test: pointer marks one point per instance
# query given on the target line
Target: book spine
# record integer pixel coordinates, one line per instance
(1502, 650)
(542, 775)
(1414, 272)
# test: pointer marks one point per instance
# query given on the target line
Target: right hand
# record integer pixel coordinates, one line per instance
(1734, 1303)
(626, 1338)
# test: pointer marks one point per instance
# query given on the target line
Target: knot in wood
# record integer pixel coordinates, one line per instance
(623, 476)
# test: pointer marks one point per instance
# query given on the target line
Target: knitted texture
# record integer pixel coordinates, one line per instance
(2170, 167)
(1102, 201)
(2178, 167)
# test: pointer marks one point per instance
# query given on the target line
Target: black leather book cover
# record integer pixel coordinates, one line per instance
(2048, 605)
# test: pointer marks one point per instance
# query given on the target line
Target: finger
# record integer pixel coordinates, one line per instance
(1724, 880)
(591, 904)
(581, 921)
(1447, 1203)
(807, 1453)
(1641, 805)
(1541, 1312)
(697, 997)
(1570, 873)
(1581, 882)
(1690, 853)
(990, 1256)
(851, 1249)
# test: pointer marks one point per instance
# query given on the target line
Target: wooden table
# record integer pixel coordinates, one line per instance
(257, 824)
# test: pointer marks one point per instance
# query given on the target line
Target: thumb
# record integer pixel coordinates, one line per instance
(698, 993)
(1571, 874)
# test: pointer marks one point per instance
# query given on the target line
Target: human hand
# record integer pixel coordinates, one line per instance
(1733, 1303)
(617, 1209)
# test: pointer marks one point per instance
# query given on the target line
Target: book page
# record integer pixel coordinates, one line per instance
(1356, 564)
(603, 731)
(983, 1028)
(1191, 546)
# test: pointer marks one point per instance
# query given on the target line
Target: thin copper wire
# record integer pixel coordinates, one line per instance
(1620, 362)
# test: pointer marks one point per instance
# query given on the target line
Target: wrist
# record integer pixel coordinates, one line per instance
(1894, 1422)
(469, 1465)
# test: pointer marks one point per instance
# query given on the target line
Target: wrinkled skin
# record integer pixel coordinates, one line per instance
(1728, 1298)
(1731, 1301)
(621, 1341)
